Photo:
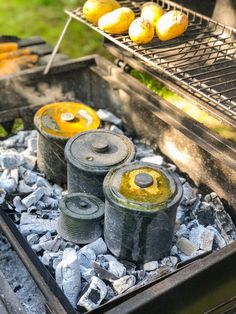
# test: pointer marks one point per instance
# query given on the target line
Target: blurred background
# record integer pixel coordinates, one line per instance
(46, 18)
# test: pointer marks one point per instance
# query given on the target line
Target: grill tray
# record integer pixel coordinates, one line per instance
(202, 61)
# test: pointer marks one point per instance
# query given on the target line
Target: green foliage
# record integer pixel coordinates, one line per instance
(190, 109)
(46, 18)
(3, 132)
(18, 125)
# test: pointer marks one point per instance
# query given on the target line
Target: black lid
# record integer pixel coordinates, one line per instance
(99, 150)
(82, 206)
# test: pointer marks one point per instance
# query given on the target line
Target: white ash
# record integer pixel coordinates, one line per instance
(3, 194)
(20, 280)
(23, 188)
(186, 246)
(14, 174)
(19, 206)
(180, 217)
(124, 283)
(104, 259)
(33, 198)
(143, 150)
(156, 159)
(68, 275)
(86, 256)
(98, 246)
(9, 161)
(94, 294)
(107, 116)
(196, 212)
(40, 226)
(49, 257)
(149, 266)
(202, 238)
(8, 185)
(30, 177)
(171, 167)
(115, 129)
(174, 250)
(116, 268)
(182, 231)
(46, 237)
(218, 239)
(52, 245)
(87, 273)
(32, 238)
(32, 145)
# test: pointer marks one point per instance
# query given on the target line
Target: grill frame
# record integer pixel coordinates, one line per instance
(211, 98)
(101, 84)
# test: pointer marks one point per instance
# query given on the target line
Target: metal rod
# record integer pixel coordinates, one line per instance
(47, 69)
(187, 45)
(199, 67)
(204, 67)
(214, 71)
(210, 86)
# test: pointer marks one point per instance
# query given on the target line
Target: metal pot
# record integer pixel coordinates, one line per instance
(90, 155)
(80, 218)
(140, 211)
(56, 123)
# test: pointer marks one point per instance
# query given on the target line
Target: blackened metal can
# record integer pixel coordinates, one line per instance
(90, 155)
(140, 211)
(80, 218)
(56, 123)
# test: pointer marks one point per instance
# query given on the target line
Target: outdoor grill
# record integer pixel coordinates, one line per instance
(201, 67)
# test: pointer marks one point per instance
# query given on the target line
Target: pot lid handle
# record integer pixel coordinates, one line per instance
(143, 180)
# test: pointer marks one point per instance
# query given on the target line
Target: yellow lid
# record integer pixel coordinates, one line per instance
(65, 119)
(145, 185)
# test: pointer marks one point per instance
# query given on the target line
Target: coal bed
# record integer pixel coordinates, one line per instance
(89, 275)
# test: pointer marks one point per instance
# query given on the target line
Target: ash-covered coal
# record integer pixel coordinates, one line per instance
(90, 275)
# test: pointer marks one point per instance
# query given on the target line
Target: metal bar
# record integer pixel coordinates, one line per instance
(194, 62)
(225, 91)
(204, 67)
(213, 71)
(219, 84)
(47, 69)
(55, 297)
(189, 46)
(229, 99)
(180, 56)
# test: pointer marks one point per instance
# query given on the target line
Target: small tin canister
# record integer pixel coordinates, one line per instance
(80, 218)
(140, 211)
(90, 155)
(56, 123)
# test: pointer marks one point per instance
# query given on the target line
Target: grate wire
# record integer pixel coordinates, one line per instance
(202, 60)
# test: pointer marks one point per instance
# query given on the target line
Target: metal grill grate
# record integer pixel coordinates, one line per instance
(202, 60)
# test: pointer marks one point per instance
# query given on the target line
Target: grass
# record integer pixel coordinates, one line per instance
(46, 18)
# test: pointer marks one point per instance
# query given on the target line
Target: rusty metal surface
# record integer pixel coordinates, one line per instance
(196, 61)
